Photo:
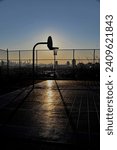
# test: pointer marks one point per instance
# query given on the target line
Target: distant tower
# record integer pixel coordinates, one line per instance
(68, 63)
(73, 63)
(56, 63)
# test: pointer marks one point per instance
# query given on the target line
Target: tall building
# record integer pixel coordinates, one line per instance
(68, 63)
(73, 63)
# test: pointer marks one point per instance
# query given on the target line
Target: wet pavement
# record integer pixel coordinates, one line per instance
(62, 113)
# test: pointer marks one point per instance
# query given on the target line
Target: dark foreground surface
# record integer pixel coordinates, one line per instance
(54, 115)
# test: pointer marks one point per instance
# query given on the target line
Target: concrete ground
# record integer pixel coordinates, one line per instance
(61, 114)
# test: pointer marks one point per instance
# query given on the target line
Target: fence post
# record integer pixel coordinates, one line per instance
(7, 62)
(36, 59)
(19, 61)
(73, 63)
(73, 54)
(94, 56)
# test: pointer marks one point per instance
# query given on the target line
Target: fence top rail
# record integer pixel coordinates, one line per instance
(52, 59)
(59, 50)
(82, 49)
(3, 50)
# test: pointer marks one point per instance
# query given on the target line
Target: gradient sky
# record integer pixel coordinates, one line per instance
(71, 23)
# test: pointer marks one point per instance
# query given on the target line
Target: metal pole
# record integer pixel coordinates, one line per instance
(36, 59)
(19, 60)
(94, 56)
(54, 64)
(7, 62)
(33, 63)
(73, 54)
(73, 63)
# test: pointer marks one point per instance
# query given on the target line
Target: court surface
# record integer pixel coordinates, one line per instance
(56, 113)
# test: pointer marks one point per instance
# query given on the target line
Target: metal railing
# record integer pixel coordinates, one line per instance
(14, 62)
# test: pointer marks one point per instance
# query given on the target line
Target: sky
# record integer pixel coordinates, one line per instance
(71, 23)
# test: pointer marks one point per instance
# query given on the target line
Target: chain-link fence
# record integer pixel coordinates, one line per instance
(3, 61)
(16, 65)
(19, 62)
